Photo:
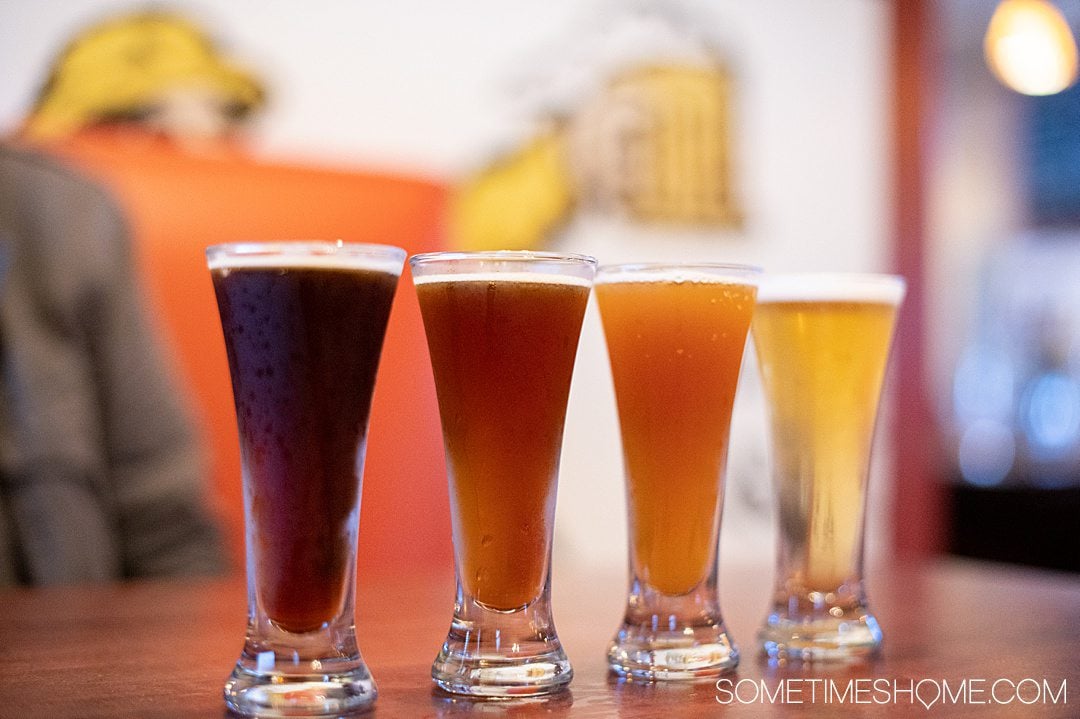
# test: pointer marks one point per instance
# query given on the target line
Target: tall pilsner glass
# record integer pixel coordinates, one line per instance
(675, 337)
(502, 330)
(304, 325)
(823, 345)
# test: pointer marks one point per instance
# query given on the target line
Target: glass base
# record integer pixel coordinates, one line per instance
(852, 636)
(501, 655)
(497, 677)
(679, 653)
(279, 694)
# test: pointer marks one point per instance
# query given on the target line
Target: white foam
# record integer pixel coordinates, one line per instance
(314, 256)
(534, 278)
(677, 275)
(832, 287)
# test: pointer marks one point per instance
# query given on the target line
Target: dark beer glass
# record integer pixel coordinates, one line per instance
(304, 324)
(502, 329)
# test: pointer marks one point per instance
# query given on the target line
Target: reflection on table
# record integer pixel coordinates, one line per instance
(163, 649)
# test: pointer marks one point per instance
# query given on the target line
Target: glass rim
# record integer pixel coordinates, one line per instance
(569, 258)
(693, 271)
(388, 258)
(832, 287)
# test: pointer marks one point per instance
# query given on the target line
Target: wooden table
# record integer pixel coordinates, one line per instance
(163, 649)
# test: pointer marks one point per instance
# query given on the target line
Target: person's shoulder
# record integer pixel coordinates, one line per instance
(36, 173)
(60, 224)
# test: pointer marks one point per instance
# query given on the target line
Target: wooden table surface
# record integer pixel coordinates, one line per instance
(163, 649)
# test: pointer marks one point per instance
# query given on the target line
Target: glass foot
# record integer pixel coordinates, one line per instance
(275, 694)
(852, 636)
(512, 660)
(499, 677)
(679, 653)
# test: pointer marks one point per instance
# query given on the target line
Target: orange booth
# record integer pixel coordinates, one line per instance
(178, 204)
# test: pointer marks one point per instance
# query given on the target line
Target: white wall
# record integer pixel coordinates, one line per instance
(411, 83)
(424, 86)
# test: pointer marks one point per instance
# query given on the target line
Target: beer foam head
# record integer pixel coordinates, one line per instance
(316, 255)
(678, 273)
(832, 287)
(504, 266)
(511, 276)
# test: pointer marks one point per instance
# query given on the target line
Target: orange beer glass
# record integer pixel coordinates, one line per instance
(675, 336)
(502, 331)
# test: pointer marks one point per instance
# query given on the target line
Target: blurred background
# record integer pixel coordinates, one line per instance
(851, 135)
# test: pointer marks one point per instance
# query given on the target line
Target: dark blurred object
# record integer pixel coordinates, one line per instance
(1023, 525)
(1016, 409)
(1053, 158)
(100, 473)
(1016, 396)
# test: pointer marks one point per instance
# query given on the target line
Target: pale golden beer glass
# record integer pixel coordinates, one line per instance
(675, 337)
(823, 345)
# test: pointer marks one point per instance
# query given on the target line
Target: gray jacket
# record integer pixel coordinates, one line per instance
(99, 469)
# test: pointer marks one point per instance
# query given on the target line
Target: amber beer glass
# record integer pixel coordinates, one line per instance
(823, 345)
(502, 330)
(675, 337)
(304, 324)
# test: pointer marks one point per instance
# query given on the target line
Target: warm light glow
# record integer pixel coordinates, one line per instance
(1030, 48)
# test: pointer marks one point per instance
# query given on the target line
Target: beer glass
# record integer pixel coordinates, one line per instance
(823, 344)
(675, 337)
(502, 330)
(304, 325)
